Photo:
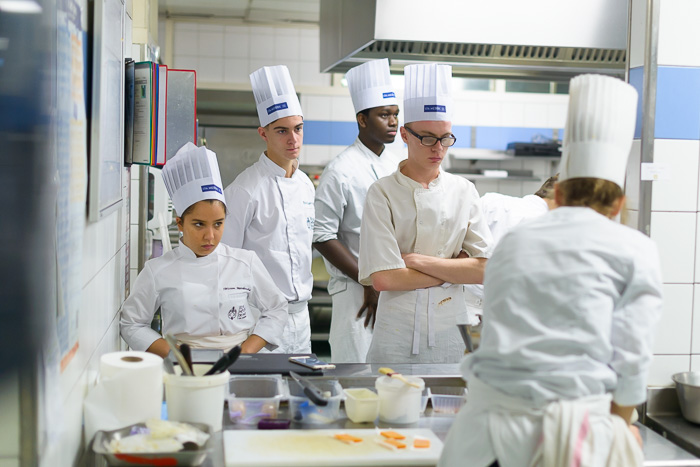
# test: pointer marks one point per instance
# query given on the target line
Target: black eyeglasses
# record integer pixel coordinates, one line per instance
(446, 141)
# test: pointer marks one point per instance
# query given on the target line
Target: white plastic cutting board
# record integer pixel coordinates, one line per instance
(288, 448)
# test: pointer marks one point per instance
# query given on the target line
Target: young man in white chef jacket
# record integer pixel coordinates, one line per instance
(422, 234)
(271, 203)
(572, 301)
(210, 295)
(340, 198)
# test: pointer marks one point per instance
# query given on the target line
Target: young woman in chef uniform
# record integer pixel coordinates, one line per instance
(210, 295)
(422, 234)
(571, 301)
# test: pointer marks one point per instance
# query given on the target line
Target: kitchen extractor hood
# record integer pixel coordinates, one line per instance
(535, 39)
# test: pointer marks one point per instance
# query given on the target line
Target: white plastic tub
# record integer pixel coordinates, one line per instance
(198, 398)
(398, 402)
(361, 405)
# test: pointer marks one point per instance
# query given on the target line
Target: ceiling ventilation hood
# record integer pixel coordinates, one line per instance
(514, 39)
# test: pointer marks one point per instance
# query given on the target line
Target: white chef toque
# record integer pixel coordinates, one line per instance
(427, 93)
(274, 94)
(599, 128)
(370, 85)
(192, 175)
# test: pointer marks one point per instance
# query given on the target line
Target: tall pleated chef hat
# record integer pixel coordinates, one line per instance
(599, 128)
(274, 94)
(427, 93)
(370, 85)
(192, 175)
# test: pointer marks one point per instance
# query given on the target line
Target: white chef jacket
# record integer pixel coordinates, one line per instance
(224, 293)
(400, 216)
(274, 217)
(502, 213)
(572, 300)
(340, 199)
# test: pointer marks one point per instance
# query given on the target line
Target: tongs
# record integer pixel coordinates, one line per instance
(314, 394)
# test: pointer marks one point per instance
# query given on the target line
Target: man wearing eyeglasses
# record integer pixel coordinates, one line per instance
(423, 235)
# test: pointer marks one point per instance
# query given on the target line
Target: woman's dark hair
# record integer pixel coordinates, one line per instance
(210, 201)
(595, 193)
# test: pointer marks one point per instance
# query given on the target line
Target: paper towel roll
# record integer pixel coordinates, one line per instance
(130, 390)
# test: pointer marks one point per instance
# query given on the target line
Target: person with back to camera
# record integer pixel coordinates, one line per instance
(210, 295)
(422, 234)
(340, 198)
(271, 203)
(572, 299)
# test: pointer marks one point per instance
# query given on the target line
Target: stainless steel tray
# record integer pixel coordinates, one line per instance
(183, 458)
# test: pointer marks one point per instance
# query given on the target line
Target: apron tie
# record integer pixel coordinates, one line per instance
(422, 294)
(416, 322)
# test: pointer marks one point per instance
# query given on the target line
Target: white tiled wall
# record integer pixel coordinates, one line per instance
(229, 53)
(675, 201)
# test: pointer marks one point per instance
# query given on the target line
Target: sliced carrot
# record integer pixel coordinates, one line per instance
(421, 443)
(346, 438)
(395, 443)
(392, 435)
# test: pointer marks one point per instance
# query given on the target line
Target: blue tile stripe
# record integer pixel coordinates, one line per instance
(677, 102)
(329, 133)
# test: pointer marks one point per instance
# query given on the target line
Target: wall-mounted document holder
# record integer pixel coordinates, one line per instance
(163, 113)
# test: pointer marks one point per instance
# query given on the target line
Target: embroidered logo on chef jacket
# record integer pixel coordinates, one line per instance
(388, 95)
(276, 107)
(211, 188)
(237, 312)
(434, 108)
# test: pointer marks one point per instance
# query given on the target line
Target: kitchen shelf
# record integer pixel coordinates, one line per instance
(492, 155)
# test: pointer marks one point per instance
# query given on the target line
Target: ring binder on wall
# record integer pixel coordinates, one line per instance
(164, 113)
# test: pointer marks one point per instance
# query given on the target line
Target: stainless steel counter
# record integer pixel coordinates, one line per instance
(658, 451)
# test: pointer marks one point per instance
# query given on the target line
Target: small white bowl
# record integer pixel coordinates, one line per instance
(361, 405)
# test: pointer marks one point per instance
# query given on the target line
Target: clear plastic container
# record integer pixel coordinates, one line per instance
(302, 410)
(252, 398)
(425, 395)
(447, 399)
(398, 402)
(361, 405)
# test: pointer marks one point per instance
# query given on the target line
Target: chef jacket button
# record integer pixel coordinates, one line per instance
(439, 252)
(420, 222)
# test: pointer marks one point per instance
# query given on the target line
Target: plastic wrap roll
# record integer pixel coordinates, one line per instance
(130, 390)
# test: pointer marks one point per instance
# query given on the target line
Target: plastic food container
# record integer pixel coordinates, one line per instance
(252, 398)
(425, 395)
(361, 405)
(398, 402)
(196, 399)
(302, 410)
(447, 399)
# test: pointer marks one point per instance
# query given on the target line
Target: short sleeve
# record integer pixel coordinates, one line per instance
(379, 250)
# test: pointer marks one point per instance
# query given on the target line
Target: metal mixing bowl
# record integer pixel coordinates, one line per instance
(688, 390)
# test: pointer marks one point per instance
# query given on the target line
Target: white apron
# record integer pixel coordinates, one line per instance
(419, 326)
(348, 337)
(518, 433)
